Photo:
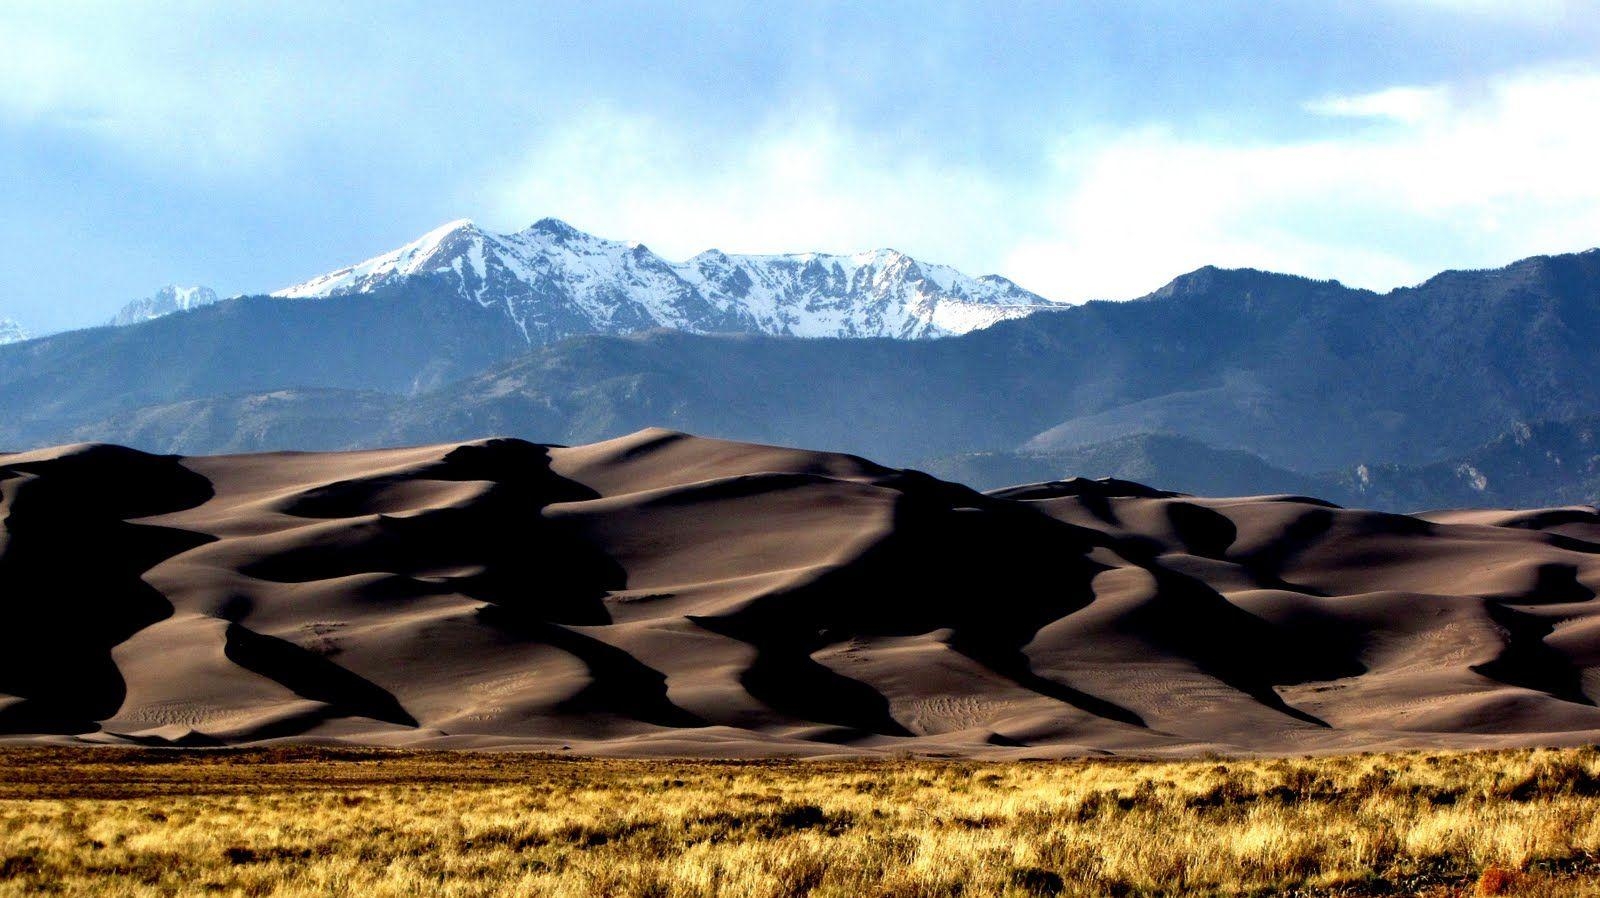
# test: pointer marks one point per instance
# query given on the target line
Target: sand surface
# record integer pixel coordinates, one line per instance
(665, 594)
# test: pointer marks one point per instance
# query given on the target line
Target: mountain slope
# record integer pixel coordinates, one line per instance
(663, 594)
(1312, 370)
(167, 300)
(300, 419)
(1542, 463)
(554, 281)
(393, 343)
(1177, 463)
(1309, 376)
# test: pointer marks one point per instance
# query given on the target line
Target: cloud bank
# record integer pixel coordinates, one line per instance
(1395, 185)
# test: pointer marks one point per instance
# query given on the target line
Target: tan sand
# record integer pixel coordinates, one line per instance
(665, 594)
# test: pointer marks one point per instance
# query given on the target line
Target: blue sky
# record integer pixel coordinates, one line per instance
(1083, 149)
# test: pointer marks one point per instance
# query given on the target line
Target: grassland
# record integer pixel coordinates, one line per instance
(308, 822)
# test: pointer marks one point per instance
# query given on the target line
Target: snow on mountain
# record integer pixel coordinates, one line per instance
(166, 301)
(882, 293)
(11, 332)
(411, 259)
(554, 281)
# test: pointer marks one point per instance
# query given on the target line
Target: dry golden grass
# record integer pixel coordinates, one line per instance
(307, 822)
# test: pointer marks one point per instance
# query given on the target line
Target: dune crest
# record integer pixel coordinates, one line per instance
(667, 594)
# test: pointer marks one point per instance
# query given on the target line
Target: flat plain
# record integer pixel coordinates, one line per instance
(310, 821)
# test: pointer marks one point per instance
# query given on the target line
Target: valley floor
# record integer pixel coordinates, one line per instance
(369, 822)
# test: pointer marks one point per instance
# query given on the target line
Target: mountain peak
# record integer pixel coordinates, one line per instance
(427, 243)
(1211, 280)
(11, 332)
(452, 240)
(554, 227)
(169, 299)
(450, 227)
(1547, 271)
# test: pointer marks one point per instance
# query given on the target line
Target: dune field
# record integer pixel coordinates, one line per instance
(662, 594)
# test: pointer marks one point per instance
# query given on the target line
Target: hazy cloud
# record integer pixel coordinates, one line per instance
(1434, 184)
(800, 183)
(1410, 105)
(1406, 181)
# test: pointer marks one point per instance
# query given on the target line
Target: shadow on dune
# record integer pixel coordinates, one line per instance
(1527, 661)
(70, 587)
(1554, 584)
(1190, 619)
(995, 572)
(990, 571)
(312, 676)
(1267, 563)
(495, 547)
(621, 684)
(1095, 495)
(535, 575)
(1202, 531)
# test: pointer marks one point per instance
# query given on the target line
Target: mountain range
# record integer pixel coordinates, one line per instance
(1530, 465)
(163, 302)
(553, 281)
(1222, 381)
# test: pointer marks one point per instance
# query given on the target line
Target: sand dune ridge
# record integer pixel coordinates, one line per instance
(662, 593)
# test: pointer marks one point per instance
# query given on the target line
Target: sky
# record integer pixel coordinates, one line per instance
(1085, 149)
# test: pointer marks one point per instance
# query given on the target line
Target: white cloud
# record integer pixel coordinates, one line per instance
(1443, 184)
(188, 87)
(1409, 105)
(803, 183)
(155, 93)
(1408, 181)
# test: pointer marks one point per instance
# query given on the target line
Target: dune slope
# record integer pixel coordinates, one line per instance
(665, 594)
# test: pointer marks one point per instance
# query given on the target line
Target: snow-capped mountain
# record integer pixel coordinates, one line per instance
(554, 281)
(166, 301)
(11, 332)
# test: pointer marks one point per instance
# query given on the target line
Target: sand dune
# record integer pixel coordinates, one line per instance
(664, 594)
